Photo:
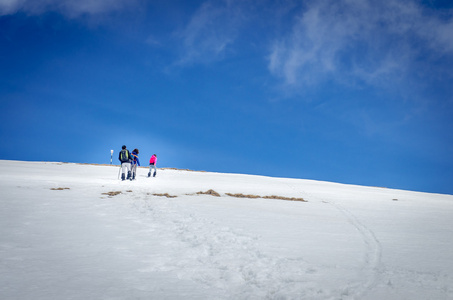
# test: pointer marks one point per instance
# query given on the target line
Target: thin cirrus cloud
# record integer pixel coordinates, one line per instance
(357, 41)
(211, 32)
(68, 8)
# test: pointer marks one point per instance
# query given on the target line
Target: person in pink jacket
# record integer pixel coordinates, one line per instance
(152, 165)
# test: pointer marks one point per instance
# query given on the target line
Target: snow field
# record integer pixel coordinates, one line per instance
(346, 242)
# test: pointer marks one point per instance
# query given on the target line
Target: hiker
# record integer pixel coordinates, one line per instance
(125, 159)
(152, 165)
(135, 162)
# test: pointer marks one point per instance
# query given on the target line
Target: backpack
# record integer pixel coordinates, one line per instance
(124, 156)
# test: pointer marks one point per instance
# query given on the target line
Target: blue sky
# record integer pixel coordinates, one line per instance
(350, 91)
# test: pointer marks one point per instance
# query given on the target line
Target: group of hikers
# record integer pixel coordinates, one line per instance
(129, 162)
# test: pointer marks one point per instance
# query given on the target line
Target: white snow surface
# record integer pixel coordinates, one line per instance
(344, 242)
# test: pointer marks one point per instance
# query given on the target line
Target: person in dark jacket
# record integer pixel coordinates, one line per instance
(135, 162)
(125, 159)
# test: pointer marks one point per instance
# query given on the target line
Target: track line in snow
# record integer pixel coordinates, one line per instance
(372, 261)
(372, 256)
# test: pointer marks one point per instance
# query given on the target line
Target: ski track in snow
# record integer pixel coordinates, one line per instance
(372, 256)
(374, 276)
(372, 267)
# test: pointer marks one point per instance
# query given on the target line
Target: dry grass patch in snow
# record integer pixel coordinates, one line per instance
(60, 189)
(284, 198)
(266, 197)
(113, 193)
(243, 196)
(165, 195)
(209, 192)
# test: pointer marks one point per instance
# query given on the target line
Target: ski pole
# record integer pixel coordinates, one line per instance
(119, 171)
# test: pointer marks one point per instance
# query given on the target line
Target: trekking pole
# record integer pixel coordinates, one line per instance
(119, 171)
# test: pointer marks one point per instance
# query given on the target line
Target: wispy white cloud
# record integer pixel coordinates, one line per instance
(357, 41)
(211, 31)
(69, 8)
(10, 6)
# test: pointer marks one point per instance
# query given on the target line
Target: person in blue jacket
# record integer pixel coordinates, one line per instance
(135, 162)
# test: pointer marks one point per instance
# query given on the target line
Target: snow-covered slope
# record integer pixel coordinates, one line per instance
(62, 236)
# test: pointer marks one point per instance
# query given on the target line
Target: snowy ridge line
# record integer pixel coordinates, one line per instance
(142, 167)
(104, 165)
(352, 185)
